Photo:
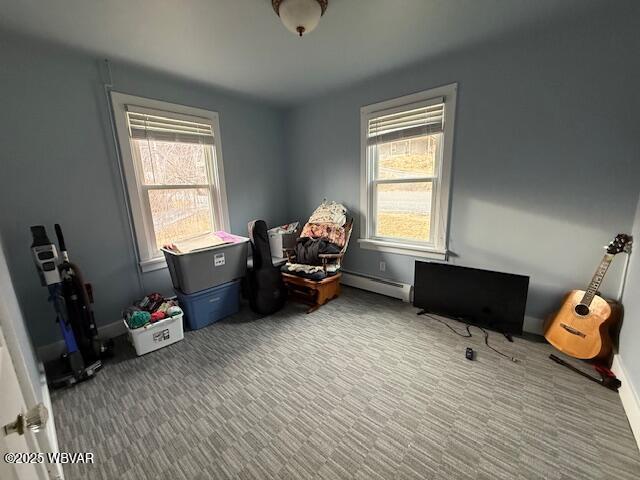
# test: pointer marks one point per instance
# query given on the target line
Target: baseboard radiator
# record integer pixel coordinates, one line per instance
(403, 291)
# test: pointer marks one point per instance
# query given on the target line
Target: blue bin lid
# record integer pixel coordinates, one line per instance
(206, 292)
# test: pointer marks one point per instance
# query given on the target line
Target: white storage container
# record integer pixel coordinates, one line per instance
(279, 241)
(275, 245)
(156, 335)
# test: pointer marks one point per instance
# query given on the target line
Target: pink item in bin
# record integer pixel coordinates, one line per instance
(229, 237)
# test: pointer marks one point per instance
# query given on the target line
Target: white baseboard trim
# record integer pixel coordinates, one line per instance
(628, 396)
(533, 325)
(51, 440)
(53, 350)
(377, 285)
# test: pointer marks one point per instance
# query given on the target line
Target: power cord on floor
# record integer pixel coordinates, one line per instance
(468, 334)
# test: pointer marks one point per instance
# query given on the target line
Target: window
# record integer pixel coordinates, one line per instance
(172, 164)
(406, 164)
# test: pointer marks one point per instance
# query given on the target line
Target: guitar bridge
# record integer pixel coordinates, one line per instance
(572, 330)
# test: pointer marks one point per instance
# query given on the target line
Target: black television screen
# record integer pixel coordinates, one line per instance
(481, 297)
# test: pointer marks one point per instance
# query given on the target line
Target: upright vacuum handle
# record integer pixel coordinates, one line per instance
(39, 234)
(61, 244)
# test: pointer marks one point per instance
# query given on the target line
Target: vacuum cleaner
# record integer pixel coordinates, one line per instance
(71, 298)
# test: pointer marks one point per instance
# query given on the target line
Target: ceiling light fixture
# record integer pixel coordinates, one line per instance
(300, 16)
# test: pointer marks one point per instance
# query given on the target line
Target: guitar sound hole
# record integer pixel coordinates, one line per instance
(581, 309)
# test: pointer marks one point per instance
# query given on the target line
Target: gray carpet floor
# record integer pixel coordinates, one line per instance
(363, 388)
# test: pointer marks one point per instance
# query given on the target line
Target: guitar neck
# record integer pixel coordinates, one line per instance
(594, 286)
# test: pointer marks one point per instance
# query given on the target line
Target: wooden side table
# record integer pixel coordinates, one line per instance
(314, 293)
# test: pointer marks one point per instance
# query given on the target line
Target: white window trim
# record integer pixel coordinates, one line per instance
(440, 223)
(147, 261)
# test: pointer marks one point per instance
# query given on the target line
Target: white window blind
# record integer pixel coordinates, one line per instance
(407, 124)
(152, 125)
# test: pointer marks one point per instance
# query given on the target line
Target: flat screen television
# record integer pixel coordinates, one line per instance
(488, 299)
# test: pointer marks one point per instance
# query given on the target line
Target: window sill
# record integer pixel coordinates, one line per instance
(403, 249)
(153, 264)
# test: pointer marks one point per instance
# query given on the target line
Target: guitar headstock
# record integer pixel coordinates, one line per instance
(622, 243)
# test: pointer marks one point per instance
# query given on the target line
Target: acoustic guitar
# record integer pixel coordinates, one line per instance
(581, 327)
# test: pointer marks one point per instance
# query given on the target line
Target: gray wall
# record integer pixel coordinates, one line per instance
(545, 158)
(630, 331)
(58, 165)
(545, 167)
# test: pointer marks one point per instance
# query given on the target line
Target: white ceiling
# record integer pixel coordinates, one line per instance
(241, 44)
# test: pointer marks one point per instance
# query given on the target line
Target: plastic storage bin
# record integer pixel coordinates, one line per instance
(156, 335)
(209, 306)
(279, 241)
(197, 271)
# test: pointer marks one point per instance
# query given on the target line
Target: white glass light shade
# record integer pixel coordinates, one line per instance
(300, 16)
